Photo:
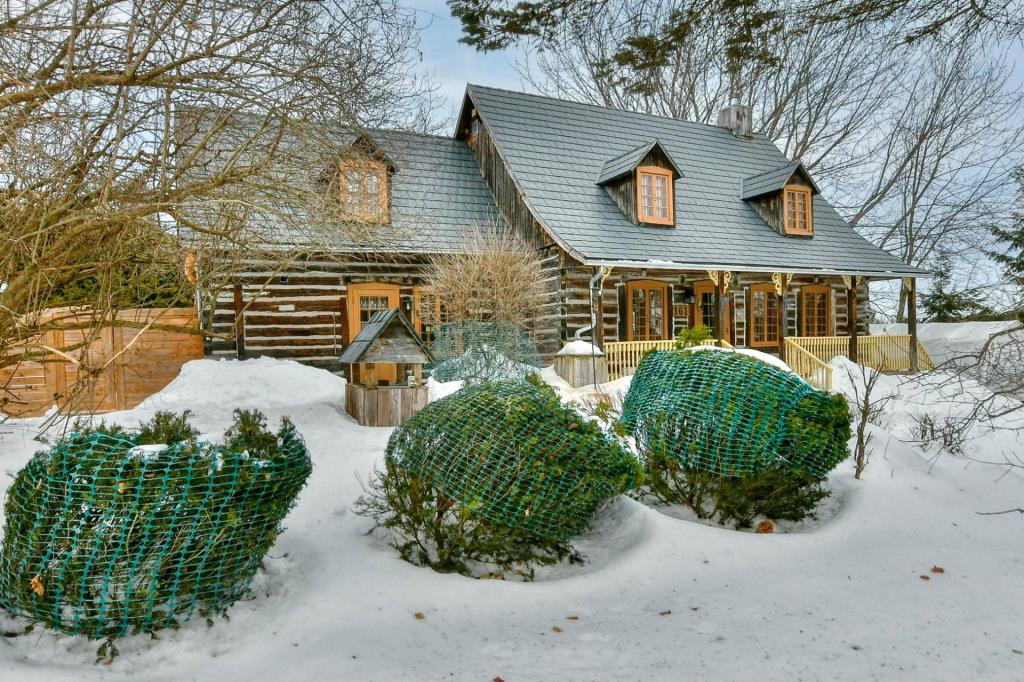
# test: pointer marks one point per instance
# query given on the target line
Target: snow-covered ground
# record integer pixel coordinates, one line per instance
(851, 597)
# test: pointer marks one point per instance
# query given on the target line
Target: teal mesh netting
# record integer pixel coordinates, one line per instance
(513, 454)
(477, 352)
(104, 537)
(729, 414)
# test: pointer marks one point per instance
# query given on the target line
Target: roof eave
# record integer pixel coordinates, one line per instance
(734, 267)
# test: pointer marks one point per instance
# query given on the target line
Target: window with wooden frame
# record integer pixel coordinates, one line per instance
(428, 313)
(816, 310)
(797, 213)
(764, 316)
(363, 189)
(654, 195)
(647, 311)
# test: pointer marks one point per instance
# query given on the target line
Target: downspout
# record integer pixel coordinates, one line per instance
(596, 284)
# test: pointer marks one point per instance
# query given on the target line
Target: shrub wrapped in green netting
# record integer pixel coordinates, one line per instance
(108, 534)
(732, 415)
(476, 352)
(511, 453)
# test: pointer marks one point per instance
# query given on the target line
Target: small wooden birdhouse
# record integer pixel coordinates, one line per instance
(389, 341)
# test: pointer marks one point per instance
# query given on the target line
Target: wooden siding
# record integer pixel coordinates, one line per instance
(549, 327)
(119, 369)
(301, 313)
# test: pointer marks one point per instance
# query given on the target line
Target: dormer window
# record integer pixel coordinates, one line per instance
(654, 195)
(796, 210)
(641, 182)
(784, 198)
(363, 189)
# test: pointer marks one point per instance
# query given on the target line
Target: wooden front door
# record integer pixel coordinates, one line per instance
(704, 307)
(647, 311)
(763, 327)
(364, 301)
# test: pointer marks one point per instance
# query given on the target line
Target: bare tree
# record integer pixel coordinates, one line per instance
(941, 174)
(494, 276)
(868, 408)
(119, 126)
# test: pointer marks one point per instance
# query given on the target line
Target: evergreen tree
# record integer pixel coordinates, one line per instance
(942, 304)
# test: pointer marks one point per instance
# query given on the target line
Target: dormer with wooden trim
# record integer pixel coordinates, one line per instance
(642, 183)
(362, 178)
(784, 198)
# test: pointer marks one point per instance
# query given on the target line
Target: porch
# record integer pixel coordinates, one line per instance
(809, 356)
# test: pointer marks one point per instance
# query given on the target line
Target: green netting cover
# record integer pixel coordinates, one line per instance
(477, 352)
(105, 538)
(730, 414)
(512, 453)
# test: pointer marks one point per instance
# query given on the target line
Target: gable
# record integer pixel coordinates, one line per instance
(555, 150)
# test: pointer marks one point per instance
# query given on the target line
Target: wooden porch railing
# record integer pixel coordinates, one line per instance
(624, 356)
(886, 353)
(809, 366)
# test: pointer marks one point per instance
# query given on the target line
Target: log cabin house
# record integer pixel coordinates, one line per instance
(647, 225)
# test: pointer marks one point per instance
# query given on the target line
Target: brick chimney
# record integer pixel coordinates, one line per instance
(739, 118)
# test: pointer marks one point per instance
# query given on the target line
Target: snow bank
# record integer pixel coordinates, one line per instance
(946, 399)
(843, 601)
(947, 340)
(260, 383)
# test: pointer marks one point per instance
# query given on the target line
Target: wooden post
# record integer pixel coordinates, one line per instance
(912, 322)
(782, 318)
(719, 308)
(598, 331)
(239, 323)
(851, 317)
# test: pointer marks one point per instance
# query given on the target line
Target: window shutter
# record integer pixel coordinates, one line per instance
(621, 292)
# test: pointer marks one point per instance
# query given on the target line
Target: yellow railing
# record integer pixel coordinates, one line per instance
(809, 366)
(624, 356)
(886, 353)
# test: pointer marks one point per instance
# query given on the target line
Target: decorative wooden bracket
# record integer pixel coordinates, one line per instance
(908, 283)
(781, 280)
(726, 281)
(713, 276)
(851, 282)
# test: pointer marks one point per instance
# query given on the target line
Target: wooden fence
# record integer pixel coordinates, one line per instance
(884, 352)
(624, 356)
(119, 369)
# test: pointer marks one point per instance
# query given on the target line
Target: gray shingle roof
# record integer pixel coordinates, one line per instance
(373, 328)
(437, 195)
(556, 149)
(628, 161)
(773, 181)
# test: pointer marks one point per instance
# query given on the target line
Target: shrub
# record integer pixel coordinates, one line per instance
(108, 533)
(693, 336)
(430, 529)
(732, 437)
(731, 414)
(480, 352)
(513, 463)
(775, 493)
